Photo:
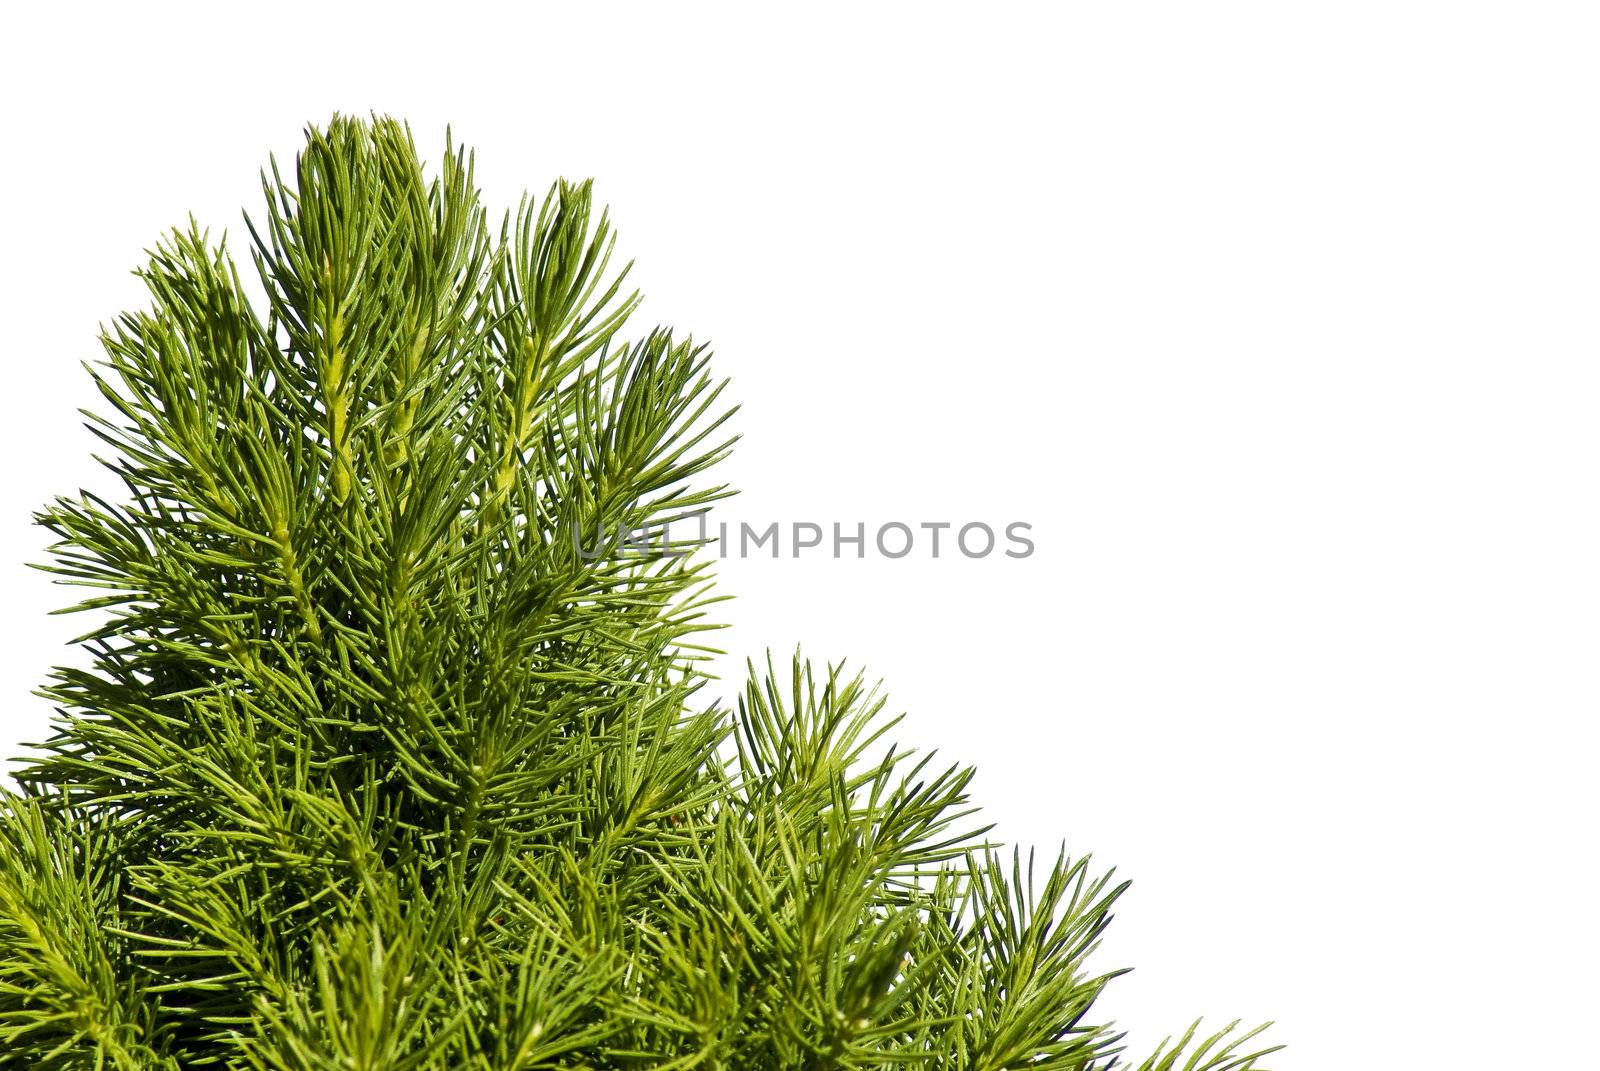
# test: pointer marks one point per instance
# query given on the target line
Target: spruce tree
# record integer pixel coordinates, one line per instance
(373, 765)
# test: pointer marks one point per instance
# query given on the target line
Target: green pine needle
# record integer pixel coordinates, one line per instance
(375, 767)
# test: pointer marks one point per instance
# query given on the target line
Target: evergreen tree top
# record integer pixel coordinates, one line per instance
(373, 767)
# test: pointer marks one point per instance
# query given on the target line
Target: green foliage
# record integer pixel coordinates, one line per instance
(374, 768)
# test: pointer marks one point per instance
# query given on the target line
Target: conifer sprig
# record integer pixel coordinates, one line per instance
(374, 766)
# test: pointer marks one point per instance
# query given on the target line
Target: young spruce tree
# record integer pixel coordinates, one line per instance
(377, 768)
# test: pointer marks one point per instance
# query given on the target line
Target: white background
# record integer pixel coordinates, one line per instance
(1277, 320)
